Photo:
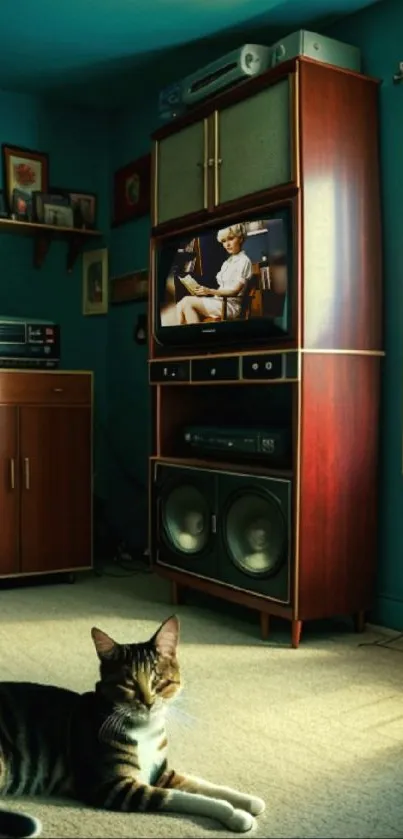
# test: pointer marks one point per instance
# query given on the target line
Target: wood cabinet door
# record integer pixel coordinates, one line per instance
(56, 486)
(181, 174)
(255, 144)
(9, 491)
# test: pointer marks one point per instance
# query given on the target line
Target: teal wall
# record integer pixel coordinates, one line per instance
(378, 32)
(77, 143)
(129, 415)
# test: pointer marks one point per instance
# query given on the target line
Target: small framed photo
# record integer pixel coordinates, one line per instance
(3, 208)
(95, 282)
(132, 191)
(84, 206)
(24, 169)
(39, 199)
(58, 215)
(21, 205)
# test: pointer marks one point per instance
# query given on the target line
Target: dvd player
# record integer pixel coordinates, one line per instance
(273, 443)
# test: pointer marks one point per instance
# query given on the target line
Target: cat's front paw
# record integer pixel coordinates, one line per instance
(254, 805)
(240, 821)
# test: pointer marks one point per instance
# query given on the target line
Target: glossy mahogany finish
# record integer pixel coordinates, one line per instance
(338, 487)
(9, 491)
(50, 388)
(341, 228)
(46, 472)
(56, 502)
(334, 411)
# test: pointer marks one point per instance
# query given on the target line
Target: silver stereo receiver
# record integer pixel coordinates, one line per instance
(232, 68)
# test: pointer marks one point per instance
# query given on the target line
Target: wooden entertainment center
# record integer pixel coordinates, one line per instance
(303, 135)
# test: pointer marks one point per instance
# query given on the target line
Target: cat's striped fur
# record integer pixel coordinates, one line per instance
(107, 748)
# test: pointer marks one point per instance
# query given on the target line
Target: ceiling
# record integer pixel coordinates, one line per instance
(93, 51)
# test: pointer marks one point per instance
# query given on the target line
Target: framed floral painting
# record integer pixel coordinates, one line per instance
(25, 170)
(132, 191)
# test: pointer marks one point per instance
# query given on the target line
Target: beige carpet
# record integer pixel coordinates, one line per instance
(318, 732)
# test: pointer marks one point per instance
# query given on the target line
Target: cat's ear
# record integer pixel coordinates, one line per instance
(105, 646)
(167, 637)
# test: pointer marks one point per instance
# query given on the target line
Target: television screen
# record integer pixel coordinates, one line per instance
(226, 282)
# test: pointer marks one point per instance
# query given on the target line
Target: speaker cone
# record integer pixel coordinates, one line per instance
(255, 533)
(186, 519)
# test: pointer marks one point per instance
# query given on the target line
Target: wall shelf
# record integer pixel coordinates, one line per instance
(44, 234)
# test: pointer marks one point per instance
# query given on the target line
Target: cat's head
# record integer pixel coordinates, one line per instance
(139, 677)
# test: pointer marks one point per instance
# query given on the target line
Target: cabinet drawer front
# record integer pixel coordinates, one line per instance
(215, 369)
(254, 143)
(45, 388)
(181, 174)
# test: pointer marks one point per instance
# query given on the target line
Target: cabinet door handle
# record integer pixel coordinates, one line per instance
(57, 390)
(217, 160)
(12, 473)
(27, 473)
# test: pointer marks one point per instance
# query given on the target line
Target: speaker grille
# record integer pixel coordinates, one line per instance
(186, 520)
(255, 533)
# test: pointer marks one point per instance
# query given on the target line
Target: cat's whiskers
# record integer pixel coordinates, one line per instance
(113, 725)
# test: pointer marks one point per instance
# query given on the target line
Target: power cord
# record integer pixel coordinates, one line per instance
(129, 565)
(385, 644)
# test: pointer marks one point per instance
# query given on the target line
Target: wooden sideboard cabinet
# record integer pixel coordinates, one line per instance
(45, 472)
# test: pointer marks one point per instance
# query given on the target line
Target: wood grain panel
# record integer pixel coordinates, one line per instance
(36, 388)
(341, 239)
(338, 495)
(56, 485)
(9, 491)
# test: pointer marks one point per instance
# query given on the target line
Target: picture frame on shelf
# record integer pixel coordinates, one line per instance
(129, 288)
(24, 169)
(95, 282)
(58, 215)
(21, 205)
(3, 208)
(41, 198)
(132, 191)
(85, 207)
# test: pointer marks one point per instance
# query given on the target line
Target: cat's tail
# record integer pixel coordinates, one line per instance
(18, 825)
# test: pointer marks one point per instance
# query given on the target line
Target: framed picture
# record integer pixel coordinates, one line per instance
(41, 198)
(129, 288)
(57, 215)
(132, 191)
(24, 169)
(84, 206)
(95, 282)
(3, 208)
(21, 205)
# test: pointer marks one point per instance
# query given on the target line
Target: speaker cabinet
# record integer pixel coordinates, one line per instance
(233, 528)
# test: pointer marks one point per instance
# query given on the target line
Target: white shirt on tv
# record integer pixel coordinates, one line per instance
(237, 268)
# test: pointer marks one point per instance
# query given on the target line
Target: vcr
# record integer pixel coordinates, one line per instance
(29, 343)
(273, 443)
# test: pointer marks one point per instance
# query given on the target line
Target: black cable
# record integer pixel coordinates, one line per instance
(385, 644)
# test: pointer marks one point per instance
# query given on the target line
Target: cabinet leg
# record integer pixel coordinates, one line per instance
(296, 629)
(264, 625)
(359, 621)
(176, 593)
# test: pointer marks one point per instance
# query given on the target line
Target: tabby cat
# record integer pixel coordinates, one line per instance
(107, 748)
